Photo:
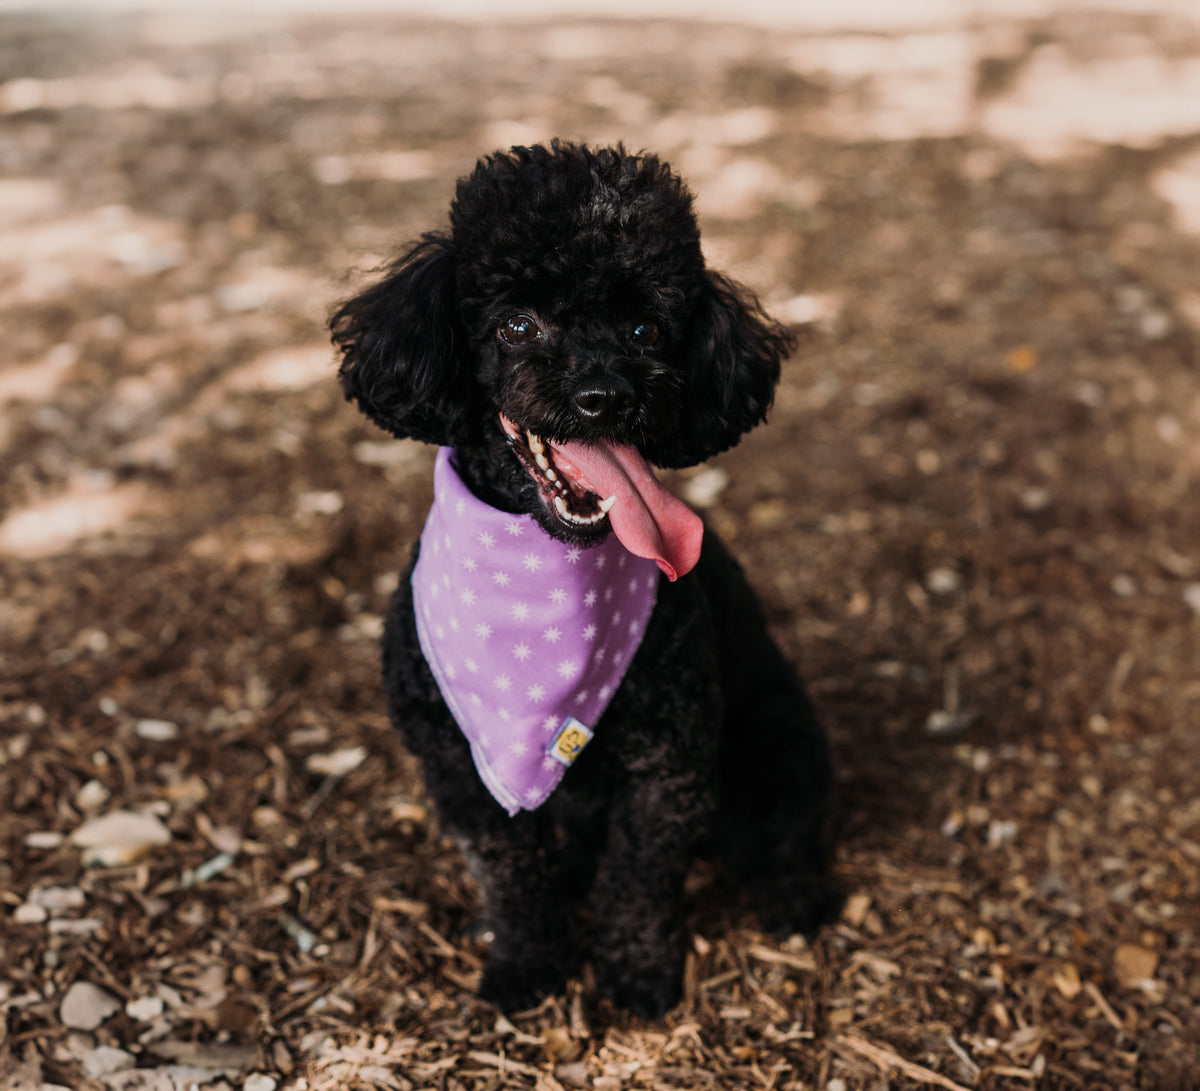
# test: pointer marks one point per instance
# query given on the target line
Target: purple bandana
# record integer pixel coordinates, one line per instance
(527, 636)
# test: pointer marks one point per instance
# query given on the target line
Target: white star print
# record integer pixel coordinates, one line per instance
(535, 693)
(605, 692)
(633, 627)
(467, 597)
(454, 624)
(486, 540)
(472, 666)
(558, 595)
(505, 715)
(552, 634)
(617, 615)
(451, 671)
(573, 554)
(521, 652)
(582, 696)
(590, 599)
(514, 528)
(532, 562)
(469, 563)
(567, 669)
(439, 632)
(589, 633)
(519, 611)
(601, 561)
(608, 593)
(501, 579)
(621, 560)
(548, 763)
(518, 748)
(460, 507)
(476, 700)
(483, 630)
(633, 586)
(532, 794)
(503, 683)
(549, 723)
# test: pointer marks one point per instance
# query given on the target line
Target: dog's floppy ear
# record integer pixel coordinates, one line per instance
(732, 357)
(404, 361)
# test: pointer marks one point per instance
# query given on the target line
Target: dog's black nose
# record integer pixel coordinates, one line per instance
(607, 400)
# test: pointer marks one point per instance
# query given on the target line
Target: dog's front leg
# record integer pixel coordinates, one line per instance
(641, 940)
(513, 863)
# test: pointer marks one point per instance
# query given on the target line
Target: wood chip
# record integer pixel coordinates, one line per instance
(1134, 966)
(887, 1059)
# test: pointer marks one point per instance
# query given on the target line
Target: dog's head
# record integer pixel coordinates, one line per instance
(567, 314)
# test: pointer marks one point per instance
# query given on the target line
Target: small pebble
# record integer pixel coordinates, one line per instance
(92, 796)
(259, 1081)
(145, 1009)
(1001, 833)
(119, 837)
(1123, 587)
(106, 1060)
(337, 763)
(85, 1006)
(1035, 498)
(29, 914)
(58, 899)
(156, 730)
(943, 581)
(703, 490)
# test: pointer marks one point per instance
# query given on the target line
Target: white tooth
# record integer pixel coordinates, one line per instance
(535, 444)
(561, 505)
(606, 505)
(542, 461)
(550, 474)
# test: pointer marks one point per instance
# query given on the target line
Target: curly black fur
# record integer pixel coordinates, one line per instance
(710, 740)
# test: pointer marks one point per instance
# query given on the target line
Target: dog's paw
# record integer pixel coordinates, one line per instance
(513, 985)
(802, 904)
(649, 992)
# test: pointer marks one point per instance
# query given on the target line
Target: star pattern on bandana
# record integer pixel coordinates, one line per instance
(526, 635)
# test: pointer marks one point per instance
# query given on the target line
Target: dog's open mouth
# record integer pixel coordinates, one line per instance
(586, 483)
(563, 487)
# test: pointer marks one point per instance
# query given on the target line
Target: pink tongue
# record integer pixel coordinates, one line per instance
(648, 520)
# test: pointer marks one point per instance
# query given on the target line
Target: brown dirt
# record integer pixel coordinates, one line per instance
(973, 518)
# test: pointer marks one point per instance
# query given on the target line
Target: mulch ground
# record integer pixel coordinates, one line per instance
(973, 518)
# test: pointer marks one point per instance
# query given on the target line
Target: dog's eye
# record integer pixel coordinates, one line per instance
(646, 335)
(519, 330)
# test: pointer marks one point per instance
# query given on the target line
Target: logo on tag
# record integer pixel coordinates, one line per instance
(571, 738)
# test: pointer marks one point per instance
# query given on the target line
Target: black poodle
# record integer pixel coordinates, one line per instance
(562, 336)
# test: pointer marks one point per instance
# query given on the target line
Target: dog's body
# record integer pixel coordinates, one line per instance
(562, 336)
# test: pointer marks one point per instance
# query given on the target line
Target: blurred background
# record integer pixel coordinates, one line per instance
(972, 516)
